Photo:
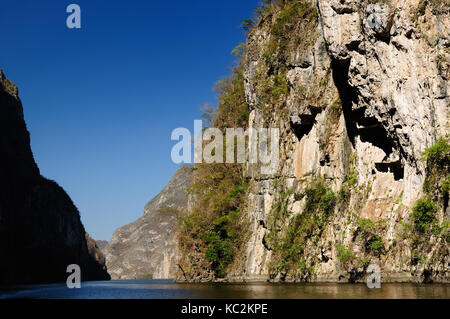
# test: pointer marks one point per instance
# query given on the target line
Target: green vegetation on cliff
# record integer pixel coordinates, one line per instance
(292, 16)
(212, 234)
(436, 188)
(291, 26)
(437, 158)
(289, 244)
(425, 216)
(343, 214)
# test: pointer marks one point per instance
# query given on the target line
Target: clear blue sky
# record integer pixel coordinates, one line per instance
(101, 102)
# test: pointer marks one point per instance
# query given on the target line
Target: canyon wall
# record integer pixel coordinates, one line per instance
(359, 90)
(147, 248)
(40, 228)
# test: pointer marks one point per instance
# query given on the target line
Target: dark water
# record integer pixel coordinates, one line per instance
(165, 289)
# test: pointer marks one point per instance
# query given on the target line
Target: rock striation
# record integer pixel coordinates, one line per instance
(368, 95)
(40, 228)
(147, 248)
(359, 90)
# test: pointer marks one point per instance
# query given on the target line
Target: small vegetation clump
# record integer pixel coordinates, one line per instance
(289, 244)
(274, 90)
(423, 214)
(372, 242)
(375, 245)
(344, 254)
(437, 181)
(438, 154)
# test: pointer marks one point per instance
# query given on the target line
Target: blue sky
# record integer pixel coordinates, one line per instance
(101, 102)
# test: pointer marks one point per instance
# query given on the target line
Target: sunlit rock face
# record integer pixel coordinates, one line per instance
(40, 228)
(367, 94)
(147, 248)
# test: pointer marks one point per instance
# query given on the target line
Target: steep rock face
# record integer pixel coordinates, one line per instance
(366, 95)
(147, 248)
(359, 90)
(101, 244)
(97, 259)
(40, 228)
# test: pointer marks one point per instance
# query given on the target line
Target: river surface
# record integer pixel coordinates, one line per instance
(166, 289)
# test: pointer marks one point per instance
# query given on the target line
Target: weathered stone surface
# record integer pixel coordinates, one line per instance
(391, 77)
(148, 246)
(101, 244)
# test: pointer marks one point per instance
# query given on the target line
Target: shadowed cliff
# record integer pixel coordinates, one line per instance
(40, 228)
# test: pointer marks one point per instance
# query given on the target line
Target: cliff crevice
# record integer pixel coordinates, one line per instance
(359, 92)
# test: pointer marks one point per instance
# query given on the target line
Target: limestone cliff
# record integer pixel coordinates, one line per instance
(40, 228)
(147, 248)
(359, 90)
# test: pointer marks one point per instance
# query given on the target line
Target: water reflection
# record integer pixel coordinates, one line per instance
(164, 289)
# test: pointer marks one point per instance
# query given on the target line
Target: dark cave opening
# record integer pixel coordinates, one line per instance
(304, 123)
(347, 95)
(391, 167)
(368, 128)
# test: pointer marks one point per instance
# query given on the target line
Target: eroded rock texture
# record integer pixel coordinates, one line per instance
(147, 248)
(101, 244)
(366, 92)
(40, 228)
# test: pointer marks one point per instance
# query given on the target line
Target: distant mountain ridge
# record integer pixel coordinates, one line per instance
(147, 248)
